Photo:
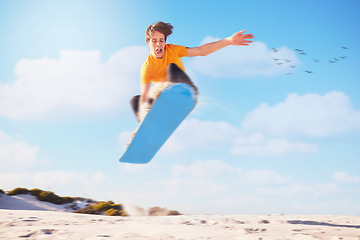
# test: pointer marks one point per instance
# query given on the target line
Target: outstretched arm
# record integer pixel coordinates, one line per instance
(236, 39)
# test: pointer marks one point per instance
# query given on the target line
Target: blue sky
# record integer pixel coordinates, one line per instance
(265, 137)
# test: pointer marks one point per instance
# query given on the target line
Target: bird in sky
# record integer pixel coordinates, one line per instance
(302, 52)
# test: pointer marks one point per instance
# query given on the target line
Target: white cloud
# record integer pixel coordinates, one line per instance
(194, 134)
(343, 177)
(204, 169)
(210, 177)
(77, 83)
(11, 180)
(57, 181)
(258, 144)
(215, 178)
(62, 178)
(216, 169)
(239, 61)
(15, 153)
(223, 187)
(264, 177)
(310, 115)
(300, 190)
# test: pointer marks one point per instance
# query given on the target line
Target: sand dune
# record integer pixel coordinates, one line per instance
(26, 202)
(29, 202)
(26, 224)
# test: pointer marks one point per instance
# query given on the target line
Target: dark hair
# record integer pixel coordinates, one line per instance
(164, 28)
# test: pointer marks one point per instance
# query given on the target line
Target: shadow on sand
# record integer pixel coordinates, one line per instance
(321, 224)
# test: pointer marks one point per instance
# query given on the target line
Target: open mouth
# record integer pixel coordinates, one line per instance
(158, 51)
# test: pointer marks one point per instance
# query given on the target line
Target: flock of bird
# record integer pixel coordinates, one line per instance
(279, 61)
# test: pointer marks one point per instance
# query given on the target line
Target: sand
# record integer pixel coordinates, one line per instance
(32, 224)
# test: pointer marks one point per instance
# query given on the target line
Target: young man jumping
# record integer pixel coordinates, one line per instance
(154, 70)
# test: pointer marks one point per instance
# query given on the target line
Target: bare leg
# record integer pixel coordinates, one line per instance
(134, 102)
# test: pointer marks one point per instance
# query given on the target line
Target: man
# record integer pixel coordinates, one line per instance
(162, 54)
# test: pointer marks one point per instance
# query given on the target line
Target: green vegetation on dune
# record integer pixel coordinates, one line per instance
(108, 208)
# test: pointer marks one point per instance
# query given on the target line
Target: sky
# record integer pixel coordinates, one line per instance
(276, 128)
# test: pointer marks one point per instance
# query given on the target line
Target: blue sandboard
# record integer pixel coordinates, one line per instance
(168, 111)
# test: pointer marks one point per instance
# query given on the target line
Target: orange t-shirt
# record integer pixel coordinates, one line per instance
(154, 70)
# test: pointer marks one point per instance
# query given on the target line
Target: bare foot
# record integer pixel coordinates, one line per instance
(131, 138)
(133, 134)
